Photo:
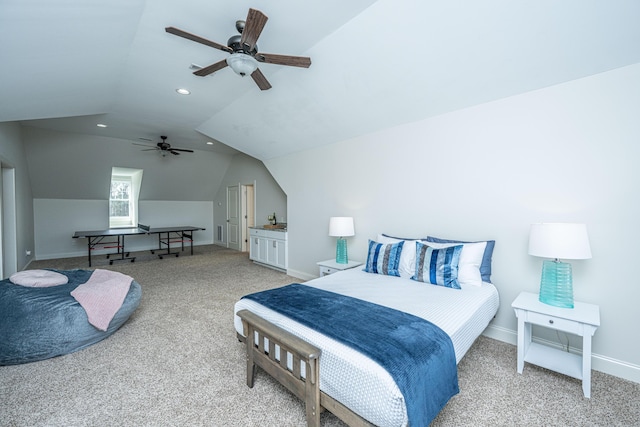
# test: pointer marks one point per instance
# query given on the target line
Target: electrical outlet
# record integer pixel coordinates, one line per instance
(28, 253)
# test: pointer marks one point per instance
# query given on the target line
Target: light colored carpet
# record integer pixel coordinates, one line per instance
(177, 362)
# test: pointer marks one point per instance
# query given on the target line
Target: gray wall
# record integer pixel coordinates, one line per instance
(76, 166)
(269, 196)
(567, 153)
(12, 154)
(70, 177)
(71, 174)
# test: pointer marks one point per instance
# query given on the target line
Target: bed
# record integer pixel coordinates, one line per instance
(42, 321)
(344, 381)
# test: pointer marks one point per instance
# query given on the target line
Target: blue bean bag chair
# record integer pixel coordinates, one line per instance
(38, 323)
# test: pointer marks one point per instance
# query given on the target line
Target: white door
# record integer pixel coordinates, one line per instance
(8, 222)
(1, 229)
(247, 215)
(233, 217)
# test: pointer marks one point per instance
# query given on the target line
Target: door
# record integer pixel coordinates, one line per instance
(247, 215)
(233, 217)
(8, 222)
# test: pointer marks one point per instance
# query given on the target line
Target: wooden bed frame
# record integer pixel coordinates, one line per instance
(306, 388)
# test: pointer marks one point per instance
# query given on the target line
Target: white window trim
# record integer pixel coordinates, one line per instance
(135, 178)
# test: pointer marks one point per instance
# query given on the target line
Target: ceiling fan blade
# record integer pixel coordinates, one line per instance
(172, 151)
(252, 28)
(293, 61)
(142, 145)
(181, 149)
(211, 68)
(198, 39)
(260, 80)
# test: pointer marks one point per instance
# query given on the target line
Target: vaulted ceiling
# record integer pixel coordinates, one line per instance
(71, 64)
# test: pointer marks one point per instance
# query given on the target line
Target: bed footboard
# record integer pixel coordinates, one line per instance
(302, 354)
(263, 353)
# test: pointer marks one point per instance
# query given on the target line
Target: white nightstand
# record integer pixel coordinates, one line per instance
(331, 266)
(582, 320)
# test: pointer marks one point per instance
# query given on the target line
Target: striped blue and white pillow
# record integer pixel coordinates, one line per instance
(384, 258)
(437, 266)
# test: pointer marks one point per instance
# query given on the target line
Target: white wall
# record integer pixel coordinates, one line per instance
(567, 153)
(56, 220)
(12, 154)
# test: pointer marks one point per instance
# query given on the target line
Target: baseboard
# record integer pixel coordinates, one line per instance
(501, 334)
(300, 275)
(41, 257)
(608, 365)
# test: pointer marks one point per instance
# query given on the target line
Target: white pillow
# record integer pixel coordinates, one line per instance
(38, 278)
(407, 267)
(470, 261)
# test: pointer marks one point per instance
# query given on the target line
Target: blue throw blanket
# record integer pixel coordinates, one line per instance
(416, 353)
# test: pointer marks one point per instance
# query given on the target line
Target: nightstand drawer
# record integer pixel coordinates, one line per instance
(554, 322)
(324, 271)
(331, 266)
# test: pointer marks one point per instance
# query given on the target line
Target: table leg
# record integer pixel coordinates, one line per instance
(586, 364)
(522, 339)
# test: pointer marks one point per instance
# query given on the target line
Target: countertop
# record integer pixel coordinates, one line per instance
(262, 227)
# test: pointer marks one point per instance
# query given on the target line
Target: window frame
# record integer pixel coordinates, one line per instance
(134, 178)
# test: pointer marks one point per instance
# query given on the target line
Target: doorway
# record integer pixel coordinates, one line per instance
(8, 224)
(241, 208)
(233, 217)
(248, 214)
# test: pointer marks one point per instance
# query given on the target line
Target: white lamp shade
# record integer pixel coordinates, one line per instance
(242, 64)
(559, 240)
(341, 226)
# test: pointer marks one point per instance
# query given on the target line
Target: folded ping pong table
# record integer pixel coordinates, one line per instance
(113, 238)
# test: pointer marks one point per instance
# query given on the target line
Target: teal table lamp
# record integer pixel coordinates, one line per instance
(341, 227)
(556, 241)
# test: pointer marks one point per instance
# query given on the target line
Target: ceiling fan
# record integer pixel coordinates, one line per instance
(164, 147)
(244, 52)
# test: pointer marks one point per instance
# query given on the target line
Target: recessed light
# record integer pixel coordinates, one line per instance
(182, 91)
(101, 125)
(209, 143)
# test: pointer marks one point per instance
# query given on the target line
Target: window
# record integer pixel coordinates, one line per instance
(123, 197)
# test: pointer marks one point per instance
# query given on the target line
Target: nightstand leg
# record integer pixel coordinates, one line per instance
(524, 338)
(586, 364)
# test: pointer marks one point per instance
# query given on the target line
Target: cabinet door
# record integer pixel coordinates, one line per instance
(263, 250)
(281, 251)
(272, 252)
(254, 248)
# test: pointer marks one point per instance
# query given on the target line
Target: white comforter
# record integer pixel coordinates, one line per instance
(355, 380)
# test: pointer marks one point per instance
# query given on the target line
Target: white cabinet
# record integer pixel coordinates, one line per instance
(268, 247)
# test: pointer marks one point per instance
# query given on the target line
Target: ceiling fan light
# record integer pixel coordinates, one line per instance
(242, 64)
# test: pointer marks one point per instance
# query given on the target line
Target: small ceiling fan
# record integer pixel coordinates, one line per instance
(244, 57)
(164, 147)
